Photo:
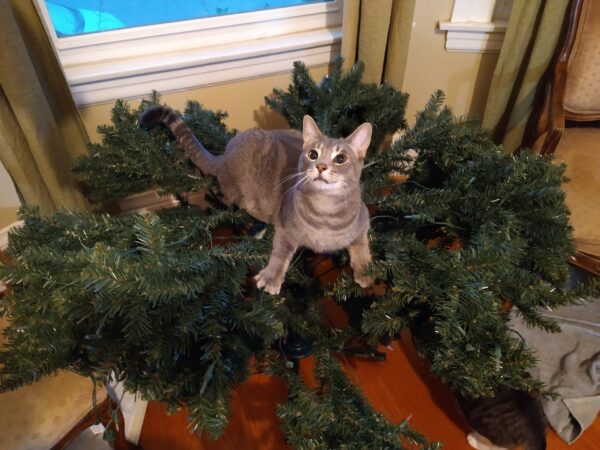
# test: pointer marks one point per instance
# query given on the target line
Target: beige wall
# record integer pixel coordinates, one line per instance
(9, 201)
(464, 77)
(8, 193)
(243, 100)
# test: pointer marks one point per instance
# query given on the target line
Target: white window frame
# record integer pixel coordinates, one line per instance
(476, 26)
(130, 62)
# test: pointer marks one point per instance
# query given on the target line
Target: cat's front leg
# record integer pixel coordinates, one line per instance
(360, 256)
(272, 276)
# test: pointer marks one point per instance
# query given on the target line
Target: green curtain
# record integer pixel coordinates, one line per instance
(531, 38)
(378, 33)
(40, 127)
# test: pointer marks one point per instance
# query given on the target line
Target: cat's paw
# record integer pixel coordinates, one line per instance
(363, 280)
(472, 440)
(480, 442)
(265, 280)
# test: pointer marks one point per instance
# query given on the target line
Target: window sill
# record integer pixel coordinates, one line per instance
(129, 63)
(102, 82)
(474, 37)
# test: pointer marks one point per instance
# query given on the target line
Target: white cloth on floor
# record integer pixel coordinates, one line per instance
(569, 363)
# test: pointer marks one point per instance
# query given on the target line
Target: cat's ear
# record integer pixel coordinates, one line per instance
(360, 139)
(310, 129)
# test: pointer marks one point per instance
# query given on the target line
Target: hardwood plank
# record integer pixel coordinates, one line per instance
(253, 424)
(400, 387)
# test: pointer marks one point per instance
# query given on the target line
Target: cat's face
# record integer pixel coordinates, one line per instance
(332, 165)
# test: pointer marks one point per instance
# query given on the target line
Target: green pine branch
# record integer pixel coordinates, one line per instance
(170, 308)
(340, 102)
(152, 298)
(470, 229)
(130, 160)
(337, 416)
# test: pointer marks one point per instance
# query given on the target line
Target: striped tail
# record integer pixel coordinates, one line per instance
(194, 150)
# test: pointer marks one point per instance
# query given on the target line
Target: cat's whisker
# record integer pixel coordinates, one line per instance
(298, 183)
(289, 177)
(305, 179)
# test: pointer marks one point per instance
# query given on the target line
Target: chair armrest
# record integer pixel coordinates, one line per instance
(556, 114)
(556, 122)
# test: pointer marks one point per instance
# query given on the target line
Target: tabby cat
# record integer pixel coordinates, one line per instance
(510, 420)
(306, 184)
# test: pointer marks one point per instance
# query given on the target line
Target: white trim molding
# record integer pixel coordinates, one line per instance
(132, 407)
(477, 26)
(131, 62)
(476, 37)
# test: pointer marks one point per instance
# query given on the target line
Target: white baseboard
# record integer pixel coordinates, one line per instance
(133, 426)
(133, 409)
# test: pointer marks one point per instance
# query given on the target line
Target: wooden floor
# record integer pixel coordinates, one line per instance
(399, 387)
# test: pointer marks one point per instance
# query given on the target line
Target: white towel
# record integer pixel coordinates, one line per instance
(569, 363)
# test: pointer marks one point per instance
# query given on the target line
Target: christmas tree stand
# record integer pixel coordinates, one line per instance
(294, 348)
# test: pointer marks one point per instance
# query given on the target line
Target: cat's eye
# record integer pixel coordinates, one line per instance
(340, 159)
(313, 154)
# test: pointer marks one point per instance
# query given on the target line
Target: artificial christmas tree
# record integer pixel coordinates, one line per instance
(129, 160)
(166, 302)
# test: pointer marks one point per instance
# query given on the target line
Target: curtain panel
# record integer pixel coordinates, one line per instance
(40, 127)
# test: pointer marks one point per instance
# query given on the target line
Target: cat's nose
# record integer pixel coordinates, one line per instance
(321, 167)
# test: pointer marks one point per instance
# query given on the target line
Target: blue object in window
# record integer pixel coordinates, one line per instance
(73, 17)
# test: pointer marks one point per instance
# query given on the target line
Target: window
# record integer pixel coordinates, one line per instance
(73, 17)
(118, 49)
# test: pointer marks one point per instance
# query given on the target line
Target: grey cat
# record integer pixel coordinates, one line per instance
(306, 184)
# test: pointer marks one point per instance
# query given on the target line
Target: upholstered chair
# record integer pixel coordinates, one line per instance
(50, 413)
(566, 122)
